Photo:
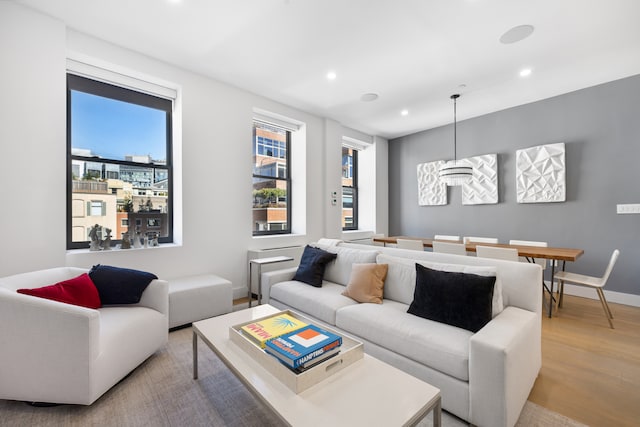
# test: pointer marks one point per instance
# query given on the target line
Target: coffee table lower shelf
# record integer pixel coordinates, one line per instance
(368, 392)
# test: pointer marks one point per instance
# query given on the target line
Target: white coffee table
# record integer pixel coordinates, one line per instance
(366, 393)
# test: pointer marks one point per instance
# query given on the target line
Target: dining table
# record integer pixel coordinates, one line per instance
(554, 254)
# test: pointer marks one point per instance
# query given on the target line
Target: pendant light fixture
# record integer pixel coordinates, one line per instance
(456, 172)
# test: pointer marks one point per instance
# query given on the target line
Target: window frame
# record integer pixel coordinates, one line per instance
(94, 86)
(354, 190)
(276, 177)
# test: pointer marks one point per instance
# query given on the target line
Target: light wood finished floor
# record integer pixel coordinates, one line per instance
(590, 372)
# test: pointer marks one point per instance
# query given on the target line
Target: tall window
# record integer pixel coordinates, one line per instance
(118, 163)
(349, 188)
(271, 179)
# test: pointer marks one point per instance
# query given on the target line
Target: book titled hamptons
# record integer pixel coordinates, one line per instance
(308, 345)
(266, 329)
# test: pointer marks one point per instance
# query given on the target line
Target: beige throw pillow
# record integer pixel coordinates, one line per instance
(366, 282)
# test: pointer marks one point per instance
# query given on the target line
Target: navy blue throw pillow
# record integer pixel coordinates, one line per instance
(312, 264)
(457, 299)
(120, 285)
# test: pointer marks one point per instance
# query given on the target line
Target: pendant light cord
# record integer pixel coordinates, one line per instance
(455, 136)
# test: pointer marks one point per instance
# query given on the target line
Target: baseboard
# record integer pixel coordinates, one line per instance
(612, 296)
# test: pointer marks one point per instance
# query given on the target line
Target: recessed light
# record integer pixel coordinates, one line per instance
(368, 97)
(525, 72)
(516, 34)
(404, 112)
(331, 75)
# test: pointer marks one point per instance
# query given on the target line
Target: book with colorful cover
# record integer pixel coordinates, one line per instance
(299, 348)
(264, 330)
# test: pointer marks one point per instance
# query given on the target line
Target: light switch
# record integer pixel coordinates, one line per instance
(629, 208)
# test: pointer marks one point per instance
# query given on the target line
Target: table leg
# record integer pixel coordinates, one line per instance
(259, 284)
(553, 273)
(195, 356)
(249, 278)
(561, 288)
(437, 414)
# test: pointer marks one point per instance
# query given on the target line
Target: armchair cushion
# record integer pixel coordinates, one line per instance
(77, 291)
(120, 285)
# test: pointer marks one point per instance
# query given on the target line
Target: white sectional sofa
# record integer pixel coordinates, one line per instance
(61, 353)
(484, 377)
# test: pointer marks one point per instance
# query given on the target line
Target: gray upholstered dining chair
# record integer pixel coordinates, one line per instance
(449, 248)
(590, 281)
(412, 244)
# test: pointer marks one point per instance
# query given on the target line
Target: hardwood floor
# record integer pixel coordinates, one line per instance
(590, 372)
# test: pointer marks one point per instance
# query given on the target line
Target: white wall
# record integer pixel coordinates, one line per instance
(32, 140)
(215, 151)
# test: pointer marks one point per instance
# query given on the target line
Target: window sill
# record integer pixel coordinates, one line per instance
(117, 249)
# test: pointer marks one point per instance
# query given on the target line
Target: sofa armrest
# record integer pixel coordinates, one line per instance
(270, 278)
(156, 296)
(36, 331)
(504, 360)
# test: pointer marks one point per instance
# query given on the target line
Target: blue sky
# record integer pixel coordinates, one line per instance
(113, 129)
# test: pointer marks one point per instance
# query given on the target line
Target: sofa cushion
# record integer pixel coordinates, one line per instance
(320, 303)
(77, 291)
(440, 346)
(457, 299)
(312, 265)
(118, 285)
(339, 270)
(366, 283)
(401, 278)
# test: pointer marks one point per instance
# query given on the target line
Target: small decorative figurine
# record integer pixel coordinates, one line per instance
(94, 245)
(106, 243)
(137, 243)
(126, 242)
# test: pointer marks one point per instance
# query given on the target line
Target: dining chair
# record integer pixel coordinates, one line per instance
(446, 237)
(540, 261)
(449, 248)
(508, 254)
(480, 240)
(590, 281)
(412, 244)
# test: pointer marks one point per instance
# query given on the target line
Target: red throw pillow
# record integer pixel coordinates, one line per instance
(77, 291)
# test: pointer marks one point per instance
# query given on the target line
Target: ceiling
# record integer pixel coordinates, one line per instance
(412, 53)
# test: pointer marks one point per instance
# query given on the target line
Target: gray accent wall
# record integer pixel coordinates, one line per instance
(600, 126)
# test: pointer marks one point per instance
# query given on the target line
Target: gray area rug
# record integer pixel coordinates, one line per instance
(161, 392)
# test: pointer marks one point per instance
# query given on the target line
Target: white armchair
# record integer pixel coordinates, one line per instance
(61, 353)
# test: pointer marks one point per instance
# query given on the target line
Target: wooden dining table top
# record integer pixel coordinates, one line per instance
(555, 253)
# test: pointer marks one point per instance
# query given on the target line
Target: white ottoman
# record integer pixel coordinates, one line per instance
(200, 297)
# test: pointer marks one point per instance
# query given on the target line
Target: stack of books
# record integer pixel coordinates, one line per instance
(305, 347)
(267, 329)
(296, 344)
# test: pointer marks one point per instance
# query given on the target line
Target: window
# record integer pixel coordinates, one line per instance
(271, 179)
(349, 188)
(119, 145)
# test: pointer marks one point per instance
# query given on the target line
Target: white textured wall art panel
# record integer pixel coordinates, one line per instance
(483, 188)
(431, 192)
(540, 174)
